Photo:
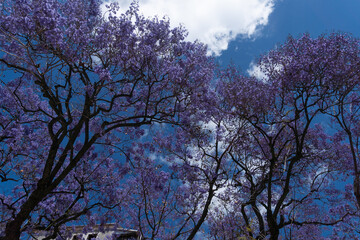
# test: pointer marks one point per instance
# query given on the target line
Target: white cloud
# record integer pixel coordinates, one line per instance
(255, 71)
(214, 22)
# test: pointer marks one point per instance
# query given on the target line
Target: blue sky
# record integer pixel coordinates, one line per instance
(239, 31)
(295, 17)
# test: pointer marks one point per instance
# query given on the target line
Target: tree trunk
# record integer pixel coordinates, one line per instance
(13, 227)
(274, 234)
(12, 230)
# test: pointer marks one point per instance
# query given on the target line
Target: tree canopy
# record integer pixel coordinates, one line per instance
(76, 88)
(109, 117)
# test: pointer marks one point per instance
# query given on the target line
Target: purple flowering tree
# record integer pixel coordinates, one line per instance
(286, 163)
(77, 88)
(109, 117)
(177, 185)
(345, 116)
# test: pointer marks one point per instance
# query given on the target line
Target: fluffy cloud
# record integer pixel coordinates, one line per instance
(214, 22)
(255, 71)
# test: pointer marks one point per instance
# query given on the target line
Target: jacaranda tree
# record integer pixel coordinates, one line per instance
(115, 118)
(77, 85)
(294, 161)
(272, 158)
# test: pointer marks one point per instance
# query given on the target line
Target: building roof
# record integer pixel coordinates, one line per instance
(98, 232)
